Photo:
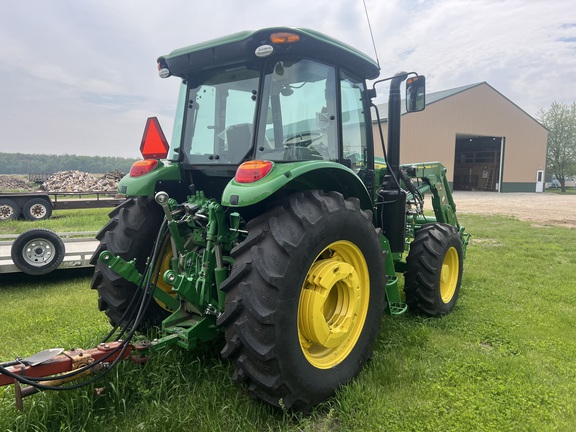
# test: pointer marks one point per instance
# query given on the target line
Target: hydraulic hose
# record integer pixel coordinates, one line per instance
(147, 289)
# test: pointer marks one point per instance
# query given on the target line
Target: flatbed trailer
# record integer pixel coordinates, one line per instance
(78, 248)
(39, 205)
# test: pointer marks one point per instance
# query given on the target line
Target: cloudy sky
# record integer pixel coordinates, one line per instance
(80, 77)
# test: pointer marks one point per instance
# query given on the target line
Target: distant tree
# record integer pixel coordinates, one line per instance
(19, 163)
(560, 120)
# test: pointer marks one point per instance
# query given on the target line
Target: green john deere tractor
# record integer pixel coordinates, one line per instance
(269, 223)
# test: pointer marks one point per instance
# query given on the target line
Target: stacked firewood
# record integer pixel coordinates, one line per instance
(77, 181)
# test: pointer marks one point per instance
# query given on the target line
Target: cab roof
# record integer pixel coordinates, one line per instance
(241, 46)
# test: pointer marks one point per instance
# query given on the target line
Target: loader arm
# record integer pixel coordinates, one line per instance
(430, 177)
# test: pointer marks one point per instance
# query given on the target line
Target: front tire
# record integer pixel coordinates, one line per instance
(129, 234)
(304, 300)
(434, 270)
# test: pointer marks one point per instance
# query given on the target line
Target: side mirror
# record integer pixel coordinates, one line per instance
(416, 93)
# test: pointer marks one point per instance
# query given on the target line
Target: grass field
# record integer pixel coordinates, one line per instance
(504, 360)
(80, 220)
(569, 190)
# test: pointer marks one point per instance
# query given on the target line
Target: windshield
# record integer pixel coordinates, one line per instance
(299, 113)
(297, 119)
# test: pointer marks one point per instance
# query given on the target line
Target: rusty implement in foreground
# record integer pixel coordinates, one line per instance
(50, 369)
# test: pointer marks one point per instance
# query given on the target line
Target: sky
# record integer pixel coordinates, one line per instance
(80, 76)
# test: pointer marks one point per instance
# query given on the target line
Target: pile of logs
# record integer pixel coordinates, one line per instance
(108, 182)
(66, 181)
(8, 183)
(78, 181)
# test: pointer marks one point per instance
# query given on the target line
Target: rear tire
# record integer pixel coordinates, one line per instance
(304, 300)
(8, 210)
(37, 209)
(38, 251)
(129, 234)
(434, 270)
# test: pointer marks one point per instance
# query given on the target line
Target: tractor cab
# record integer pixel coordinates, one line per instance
(281, 111)
(278, 96)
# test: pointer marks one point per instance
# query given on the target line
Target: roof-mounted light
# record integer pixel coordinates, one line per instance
(251, 171)
(163, 70)
(154, 144)
(284, 38)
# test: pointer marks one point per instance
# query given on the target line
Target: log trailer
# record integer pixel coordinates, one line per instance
(269, 223)
(34, 206)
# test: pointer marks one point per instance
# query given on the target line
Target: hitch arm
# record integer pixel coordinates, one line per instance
(66, 362)
(86, 362)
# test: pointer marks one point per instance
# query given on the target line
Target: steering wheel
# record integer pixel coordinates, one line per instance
(302, 139)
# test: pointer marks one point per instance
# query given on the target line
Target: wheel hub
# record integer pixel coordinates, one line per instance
(38, 252)
(163, 265)
(333, 304)
(449, 275)
(445, 274)
(38, 211)
(329, 302)
(5, 212)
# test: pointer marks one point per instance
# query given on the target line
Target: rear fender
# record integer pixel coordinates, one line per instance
(166, 176)
(294, 177)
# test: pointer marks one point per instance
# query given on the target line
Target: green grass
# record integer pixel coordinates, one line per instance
(62, 221)
(558, 190)
(504, 360)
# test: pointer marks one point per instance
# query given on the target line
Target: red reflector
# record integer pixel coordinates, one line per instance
(142, 167)
(252, 171)
(154, 144)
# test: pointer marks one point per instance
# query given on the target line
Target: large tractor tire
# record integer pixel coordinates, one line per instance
(129, 234)
(304, 299)
(434, 270)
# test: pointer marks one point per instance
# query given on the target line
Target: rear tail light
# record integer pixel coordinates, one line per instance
(142, 167)
(252, 171)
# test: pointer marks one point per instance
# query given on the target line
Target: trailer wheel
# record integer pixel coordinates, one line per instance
(434, 270)
(37, 209)
(304, 299)
(8, 209)
(37, 251)
(130, 233)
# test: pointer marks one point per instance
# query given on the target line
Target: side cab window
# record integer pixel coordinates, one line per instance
(354, 149)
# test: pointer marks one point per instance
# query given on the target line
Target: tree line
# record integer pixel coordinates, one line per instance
(20, 163)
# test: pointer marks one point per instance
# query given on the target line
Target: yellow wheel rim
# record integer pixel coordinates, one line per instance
(162, 265)
(449, 275)
(333, 304)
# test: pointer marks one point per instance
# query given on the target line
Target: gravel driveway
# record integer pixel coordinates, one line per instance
(540, 208)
